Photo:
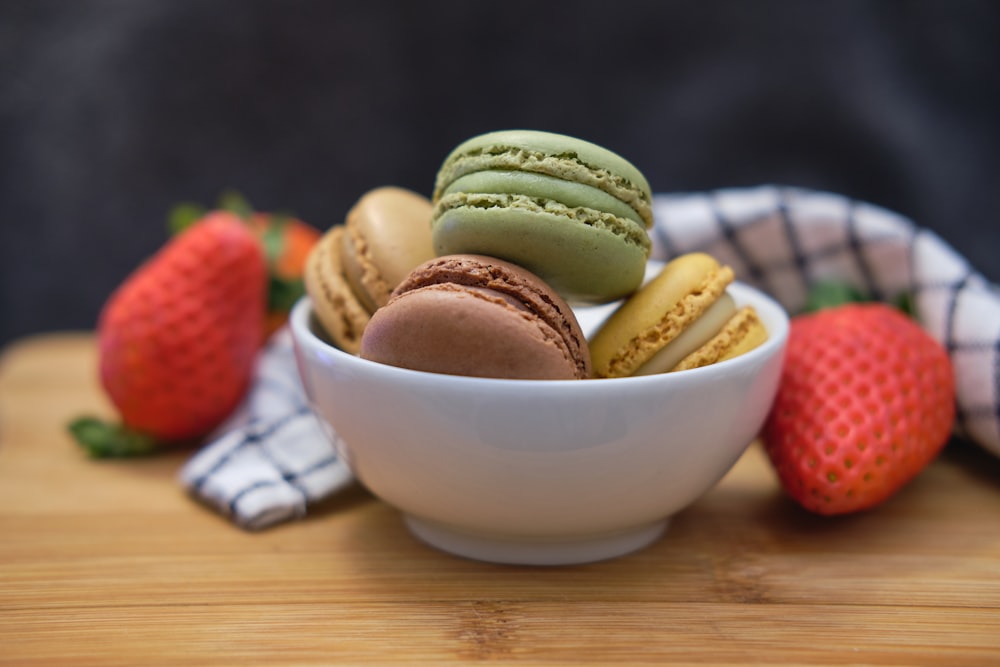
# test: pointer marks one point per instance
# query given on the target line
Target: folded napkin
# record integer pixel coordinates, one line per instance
(274, 458)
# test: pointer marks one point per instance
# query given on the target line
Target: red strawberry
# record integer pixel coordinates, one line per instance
(287, 242)
(866, 401)
(178, 339)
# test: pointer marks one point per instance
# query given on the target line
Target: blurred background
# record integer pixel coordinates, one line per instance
(112, 110)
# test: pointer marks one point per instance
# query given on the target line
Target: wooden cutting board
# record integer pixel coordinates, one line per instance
(110, 563)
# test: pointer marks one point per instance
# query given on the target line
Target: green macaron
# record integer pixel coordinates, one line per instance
(570, 211)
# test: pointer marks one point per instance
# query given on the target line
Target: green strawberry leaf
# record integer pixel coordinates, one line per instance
(283, 293)
(183, 215)
(828, 294)
(103, 439)
(905, 303)
(273, 237)
(234, 202)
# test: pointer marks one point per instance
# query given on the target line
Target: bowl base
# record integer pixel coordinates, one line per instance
(513, 551)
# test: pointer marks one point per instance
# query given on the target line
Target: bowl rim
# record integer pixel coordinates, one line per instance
(774, 316)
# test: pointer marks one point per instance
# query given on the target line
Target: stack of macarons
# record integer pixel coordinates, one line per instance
(478, 280)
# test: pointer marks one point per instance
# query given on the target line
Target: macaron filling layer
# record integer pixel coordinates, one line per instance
(630, 231)
(691, 338)
(368, 286)
(743, 332)
(566, 166)
(343, 318)
(541, 186)
(387, 233)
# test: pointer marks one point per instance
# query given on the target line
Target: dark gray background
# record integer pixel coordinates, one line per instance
(112, 110)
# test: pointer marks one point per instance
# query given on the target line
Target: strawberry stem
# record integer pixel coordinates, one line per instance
(103, 439)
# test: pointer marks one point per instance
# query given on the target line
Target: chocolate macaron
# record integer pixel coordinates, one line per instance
(478, 316)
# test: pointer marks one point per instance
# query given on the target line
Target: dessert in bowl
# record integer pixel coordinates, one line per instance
(541, 472)
(439, 343)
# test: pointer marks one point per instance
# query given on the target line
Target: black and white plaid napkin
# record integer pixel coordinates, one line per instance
(273, 458)
(783, 240)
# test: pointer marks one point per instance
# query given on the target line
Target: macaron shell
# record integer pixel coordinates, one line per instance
(554, 154)
(338, 311)
(465, 331)
(657, 313)
(741, 334)
(584, 256)
(388, 233)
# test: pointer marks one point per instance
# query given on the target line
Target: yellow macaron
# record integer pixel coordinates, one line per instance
(683, 318)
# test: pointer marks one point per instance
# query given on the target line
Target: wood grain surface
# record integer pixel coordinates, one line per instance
(110, 563)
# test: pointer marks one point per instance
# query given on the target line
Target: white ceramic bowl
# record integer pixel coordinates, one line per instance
(541, 472)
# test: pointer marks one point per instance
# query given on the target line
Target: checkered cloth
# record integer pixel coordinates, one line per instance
(274, 458)
(783, 240)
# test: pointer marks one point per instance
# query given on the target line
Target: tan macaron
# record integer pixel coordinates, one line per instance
(339, 312)
(388, 233)
(683, 318)
(353, 269)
